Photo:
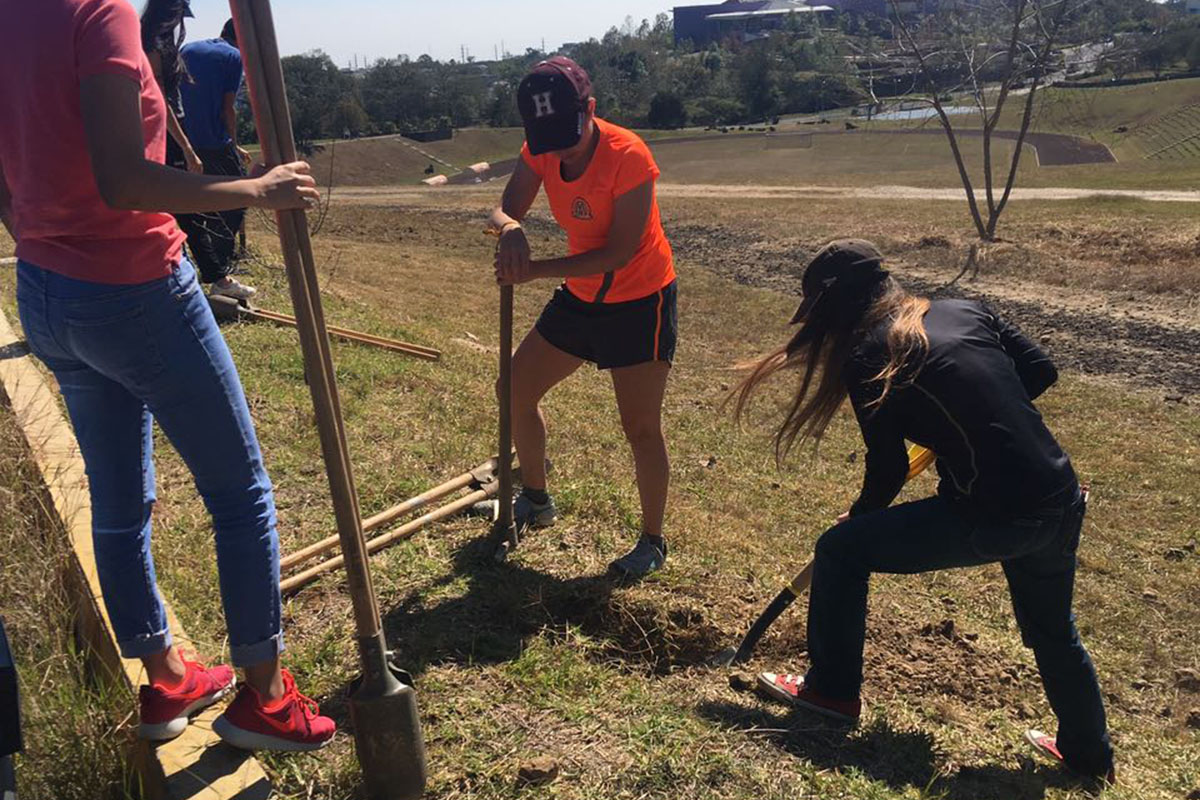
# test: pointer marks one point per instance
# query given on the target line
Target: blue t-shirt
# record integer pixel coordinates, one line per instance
(215, 67)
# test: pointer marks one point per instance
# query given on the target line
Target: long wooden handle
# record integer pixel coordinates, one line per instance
(392, 514)
(268, 98)
(415, 350)
(505, 451)
(309, 575)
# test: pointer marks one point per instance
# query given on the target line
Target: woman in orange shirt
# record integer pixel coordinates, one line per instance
(616, 305)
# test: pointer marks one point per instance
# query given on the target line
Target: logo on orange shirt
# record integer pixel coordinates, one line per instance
(580, 209)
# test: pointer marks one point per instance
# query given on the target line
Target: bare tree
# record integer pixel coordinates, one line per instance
(987, 50)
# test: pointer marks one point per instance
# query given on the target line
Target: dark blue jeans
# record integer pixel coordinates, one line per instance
(1037, 552)
(125, 356)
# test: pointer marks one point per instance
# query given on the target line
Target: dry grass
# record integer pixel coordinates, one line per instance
(76, 732)
(545, 656)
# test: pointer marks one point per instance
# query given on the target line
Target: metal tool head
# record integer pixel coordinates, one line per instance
(507, 538)
(723, 658)
(387, 737)
(730, 656)
(225, 309)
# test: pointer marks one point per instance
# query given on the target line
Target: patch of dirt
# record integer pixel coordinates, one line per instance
(1129, 336)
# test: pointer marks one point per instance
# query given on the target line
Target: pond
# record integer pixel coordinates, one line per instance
(924, 112)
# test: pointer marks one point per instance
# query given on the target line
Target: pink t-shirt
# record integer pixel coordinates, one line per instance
(61, 222)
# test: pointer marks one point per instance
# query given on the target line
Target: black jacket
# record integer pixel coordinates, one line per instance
(972, 404)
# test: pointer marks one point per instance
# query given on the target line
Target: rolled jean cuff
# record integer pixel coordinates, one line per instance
(146, 645)
(247, 655)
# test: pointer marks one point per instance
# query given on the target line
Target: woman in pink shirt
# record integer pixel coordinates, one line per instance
(111, 306)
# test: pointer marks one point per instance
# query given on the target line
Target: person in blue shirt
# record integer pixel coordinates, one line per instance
(214, 67)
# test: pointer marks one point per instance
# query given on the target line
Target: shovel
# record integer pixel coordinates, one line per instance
(919, 459)
(383, 705)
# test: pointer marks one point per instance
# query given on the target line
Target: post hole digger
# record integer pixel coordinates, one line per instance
(383, 705)
(919, 459)
(228, 309)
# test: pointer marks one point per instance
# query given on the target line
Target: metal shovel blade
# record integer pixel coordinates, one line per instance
(387, 738)
(725, 658)
(506, 537)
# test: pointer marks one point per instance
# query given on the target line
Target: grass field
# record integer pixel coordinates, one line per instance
(543, 656)
(1154, 119)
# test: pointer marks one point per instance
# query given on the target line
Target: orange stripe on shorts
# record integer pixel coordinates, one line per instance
(658, 324)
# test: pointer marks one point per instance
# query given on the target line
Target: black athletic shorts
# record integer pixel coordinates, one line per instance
(612, 335)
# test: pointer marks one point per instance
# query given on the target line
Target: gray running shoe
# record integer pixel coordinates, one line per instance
(527, 514)
(644, 558)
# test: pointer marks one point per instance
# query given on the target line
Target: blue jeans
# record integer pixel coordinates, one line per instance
(1037, 552)
(125, 356)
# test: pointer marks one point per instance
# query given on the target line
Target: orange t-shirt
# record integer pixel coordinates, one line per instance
(584, 209)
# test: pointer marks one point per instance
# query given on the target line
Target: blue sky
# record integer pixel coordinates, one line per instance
(385, 28)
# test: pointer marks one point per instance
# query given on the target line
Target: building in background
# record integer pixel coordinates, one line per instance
(742, 19)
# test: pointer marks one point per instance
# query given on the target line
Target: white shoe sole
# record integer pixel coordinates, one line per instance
(248, 740)
(166, 731)
(1032, 735)
(766, 684)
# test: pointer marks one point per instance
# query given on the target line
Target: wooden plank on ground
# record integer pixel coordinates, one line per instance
(195, 766)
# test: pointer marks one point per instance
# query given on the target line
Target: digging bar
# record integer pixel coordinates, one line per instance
(504, 531)
(919, 459)
(383, 705)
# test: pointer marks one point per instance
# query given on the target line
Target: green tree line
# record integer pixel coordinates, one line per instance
(643, 78)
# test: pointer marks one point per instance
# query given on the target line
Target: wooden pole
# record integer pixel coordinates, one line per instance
(383, 709)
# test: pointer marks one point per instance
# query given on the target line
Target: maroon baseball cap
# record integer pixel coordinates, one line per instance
(552, 100)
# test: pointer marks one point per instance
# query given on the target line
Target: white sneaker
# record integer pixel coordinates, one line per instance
(229, 287)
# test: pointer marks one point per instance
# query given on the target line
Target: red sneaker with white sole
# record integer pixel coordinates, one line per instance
(291, 724)
(163, 713)
(1046, 745)
(790, 689)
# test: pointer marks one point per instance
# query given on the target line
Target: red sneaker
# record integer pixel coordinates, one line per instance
(790, 689)
(1047, 746)
(164, 712)
(293, 723)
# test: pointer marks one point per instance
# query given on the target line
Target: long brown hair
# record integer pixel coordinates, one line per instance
(821, 349)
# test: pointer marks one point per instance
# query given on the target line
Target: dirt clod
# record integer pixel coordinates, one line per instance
(538, 771)
(741, 681)
(945, 629)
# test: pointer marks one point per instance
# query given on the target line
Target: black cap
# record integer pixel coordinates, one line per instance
(843, 269)
(552, 100)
